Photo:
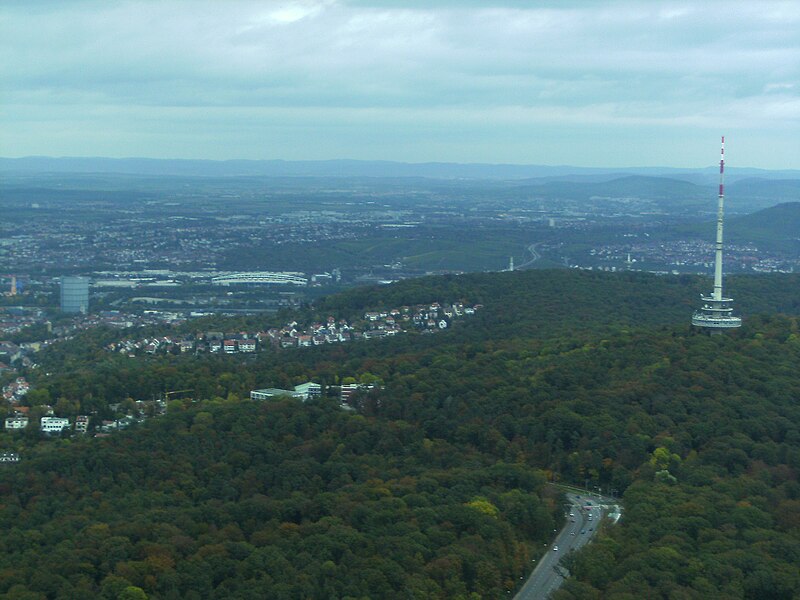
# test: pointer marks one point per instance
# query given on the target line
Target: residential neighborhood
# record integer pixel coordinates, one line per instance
(50, 424)
(14, 320)
(641, 253)
(15, 391)
(423, 318)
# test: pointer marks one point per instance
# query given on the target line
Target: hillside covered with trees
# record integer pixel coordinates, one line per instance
(276, 500)
(434, 487)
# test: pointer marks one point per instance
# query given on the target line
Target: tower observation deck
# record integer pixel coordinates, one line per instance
(716, 312)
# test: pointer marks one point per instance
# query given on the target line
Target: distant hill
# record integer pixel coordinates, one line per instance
(775, 227)
(784, 190)
(744, 195)
(356, 168)
(663, 189)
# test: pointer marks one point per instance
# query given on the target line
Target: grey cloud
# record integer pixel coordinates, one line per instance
(557, 64)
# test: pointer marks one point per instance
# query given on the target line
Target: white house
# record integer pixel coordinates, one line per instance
(16, 422)
(247, 345)
(81, 424)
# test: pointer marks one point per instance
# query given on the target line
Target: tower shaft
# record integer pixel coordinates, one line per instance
(720, 215)
(716, 312)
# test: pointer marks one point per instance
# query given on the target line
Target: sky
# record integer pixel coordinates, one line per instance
(584, 83)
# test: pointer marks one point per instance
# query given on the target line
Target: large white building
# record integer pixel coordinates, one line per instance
(53, 424)
(309, 390)
(303, 392)
(262, 278)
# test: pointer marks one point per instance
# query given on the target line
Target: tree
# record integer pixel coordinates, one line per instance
(132, 593)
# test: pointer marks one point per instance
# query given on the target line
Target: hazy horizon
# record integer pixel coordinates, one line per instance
(80, 164)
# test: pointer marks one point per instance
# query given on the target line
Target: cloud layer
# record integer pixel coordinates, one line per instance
(588, 83)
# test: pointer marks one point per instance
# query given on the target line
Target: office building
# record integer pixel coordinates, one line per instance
(75, 295)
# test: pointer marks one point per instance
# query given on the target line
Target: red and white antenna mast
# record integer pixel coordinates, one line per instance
(716, 312)
(720, 214)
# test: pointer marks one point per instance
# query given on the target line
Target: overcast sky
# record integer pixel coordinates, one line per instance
(630, 83)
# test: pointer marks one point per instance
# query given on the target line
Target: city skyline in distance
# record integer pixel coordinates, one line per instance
(586, 84)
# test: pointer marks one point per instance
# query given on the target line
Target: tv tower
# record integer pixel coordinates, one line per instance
(716, 313)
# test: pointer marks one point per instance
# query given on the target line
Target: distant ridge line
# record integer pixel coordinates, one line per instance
(352, 168)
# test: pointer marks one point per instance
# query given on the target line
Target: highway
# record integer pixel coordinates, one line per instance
(534, 255)
(578, 530)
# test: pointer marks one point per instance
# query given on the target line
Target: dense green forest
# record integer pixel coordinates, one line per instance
(274, 500)
(434, 487)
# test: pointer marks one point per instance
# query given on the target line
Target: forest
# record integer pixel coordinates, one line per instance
(435, 485)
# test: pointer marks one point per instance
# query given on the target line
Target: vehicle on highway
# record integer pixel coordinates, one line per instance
(583, 531)
(555, 548)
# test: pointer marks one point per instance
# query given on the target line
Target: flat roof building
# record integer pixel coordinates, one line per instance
(304, 391)
(269, 393)
(309, 390)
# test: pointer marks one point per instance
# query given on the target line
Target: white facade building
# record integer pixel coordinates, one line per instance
(309, 390)
(53, 424)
